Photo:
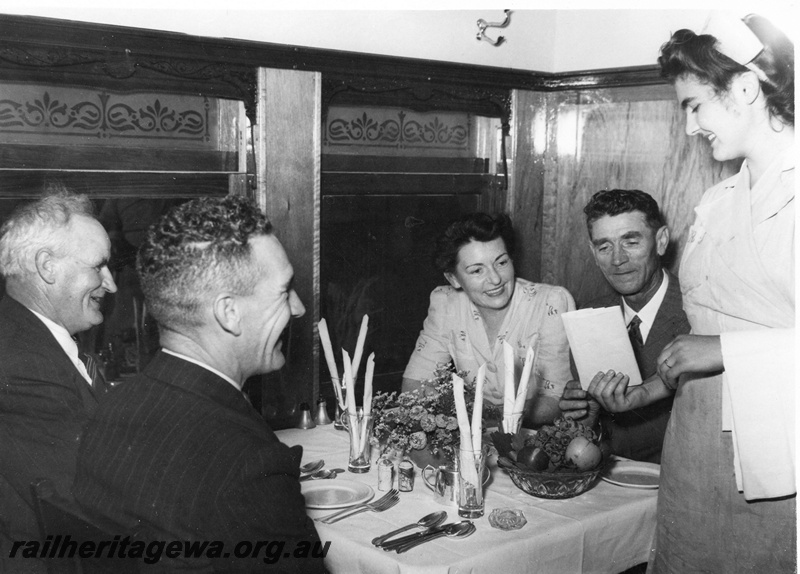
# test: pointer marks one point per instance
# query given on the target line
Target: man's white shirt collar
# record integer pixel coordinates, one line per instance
(204, 365)
(66, 342)
(647, 313)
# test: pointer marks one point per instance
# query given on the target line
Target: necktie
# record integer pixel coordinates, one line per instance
(98, 382)
(635, 336)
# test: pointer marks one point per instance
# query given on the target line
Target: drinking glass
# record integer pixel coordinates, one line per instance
(359, 427)
(470, 484)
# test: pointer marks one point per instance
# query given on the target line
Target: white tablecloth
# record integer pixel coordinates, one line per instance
(605, 530)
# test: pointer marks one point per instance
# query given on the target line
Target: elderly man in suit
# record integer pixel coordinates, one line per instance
(178, 453)
(628, 237)
(54, 258)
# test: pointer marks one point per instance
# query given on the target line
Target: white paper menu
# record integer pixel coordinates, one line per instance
(599, 341)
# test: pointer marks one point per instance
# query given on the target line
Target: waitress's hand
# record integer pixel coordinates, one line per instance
(611, 390)
(577, 404)
(689, 354)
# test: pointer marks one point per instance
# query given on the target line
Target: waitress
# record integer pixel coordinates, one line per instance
(726, 501)
(485, 304)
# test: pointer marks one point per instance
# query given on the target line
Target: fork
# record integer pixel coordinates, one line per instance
(393, 492)
(377, 508)
(386, 501)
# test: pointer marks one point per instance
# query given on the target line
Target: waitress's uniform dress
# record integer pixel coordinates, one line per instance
(726, 502)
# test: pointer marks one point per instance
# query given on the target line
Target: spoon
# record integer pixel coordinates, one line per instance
(408, 539)
(312, 466)
(429, 521)
(457, 530)
(324, 473)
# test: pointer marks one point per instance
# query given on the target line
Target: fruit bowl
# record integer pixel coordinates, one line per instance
(561, 460)
(554, 485)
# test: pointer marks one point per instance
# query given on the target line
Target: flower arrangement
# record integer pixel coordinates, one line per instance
(422, 418)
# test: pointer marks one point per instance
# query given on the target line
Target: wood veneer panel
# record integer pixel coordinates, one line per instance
(29, 183)
(114, 158)
(384, 164)
(527, 180)
(404, 183)
(288, 172)
(630, 138)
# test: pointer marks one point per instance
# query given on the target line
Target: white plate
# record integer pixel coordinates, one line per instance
(335, 493)
(633, 474)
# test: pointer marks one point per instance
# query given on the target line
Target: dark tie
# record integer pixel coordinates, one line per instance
(98, 382)
(636, 339)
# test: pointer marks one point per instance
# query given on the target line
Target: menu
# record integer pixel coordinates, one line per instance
(599, 341)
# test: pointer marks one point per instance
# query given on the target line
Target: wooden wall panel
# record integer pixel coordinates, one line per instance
(288, 132)
(612, 138)
(526, 175)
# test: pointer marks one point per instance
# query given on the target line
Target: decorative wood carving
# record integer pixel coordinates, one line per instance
(416, 95)
(126, 70)
(397, 129)
(75, 53)
(46, 57)
(102, 115)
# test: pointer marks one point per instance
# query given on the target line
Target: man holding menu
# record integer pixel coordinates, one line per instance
(178, 453)
(627, 237)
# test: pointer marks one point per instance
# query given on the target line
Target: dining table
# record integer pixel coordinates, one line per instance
(605, 530)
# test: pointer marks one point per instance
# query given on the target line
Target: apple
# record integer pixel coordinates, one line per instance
(533, 457)
(583, 453)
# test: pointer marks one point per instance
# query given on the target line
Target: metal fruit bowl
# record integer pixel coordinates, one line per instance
(554, 485)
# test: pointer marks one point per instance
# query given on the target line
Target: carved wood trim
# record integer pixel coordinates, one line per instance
(417, 95)
(116, 57)
(46, 55)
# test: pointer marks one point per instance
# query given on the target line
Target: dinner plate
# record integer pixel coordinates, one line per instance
(633, 474)
(335, 493)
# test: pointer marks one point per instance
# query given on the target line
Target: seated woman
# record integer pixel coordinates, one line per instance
(486, 304)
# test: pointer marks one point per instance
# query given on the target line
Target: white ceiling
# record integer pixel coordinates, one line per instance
(569, 38)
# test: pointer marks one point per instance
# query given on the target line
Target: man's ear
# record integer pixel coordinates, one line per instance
(662, 240)
(227, 313)
(452, 280)
(46, 265)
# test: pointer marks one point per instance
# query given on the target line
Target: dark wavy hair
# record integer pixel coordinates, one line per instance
(471, 227)
(690, 54)
(195, 251)
(615, 201)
